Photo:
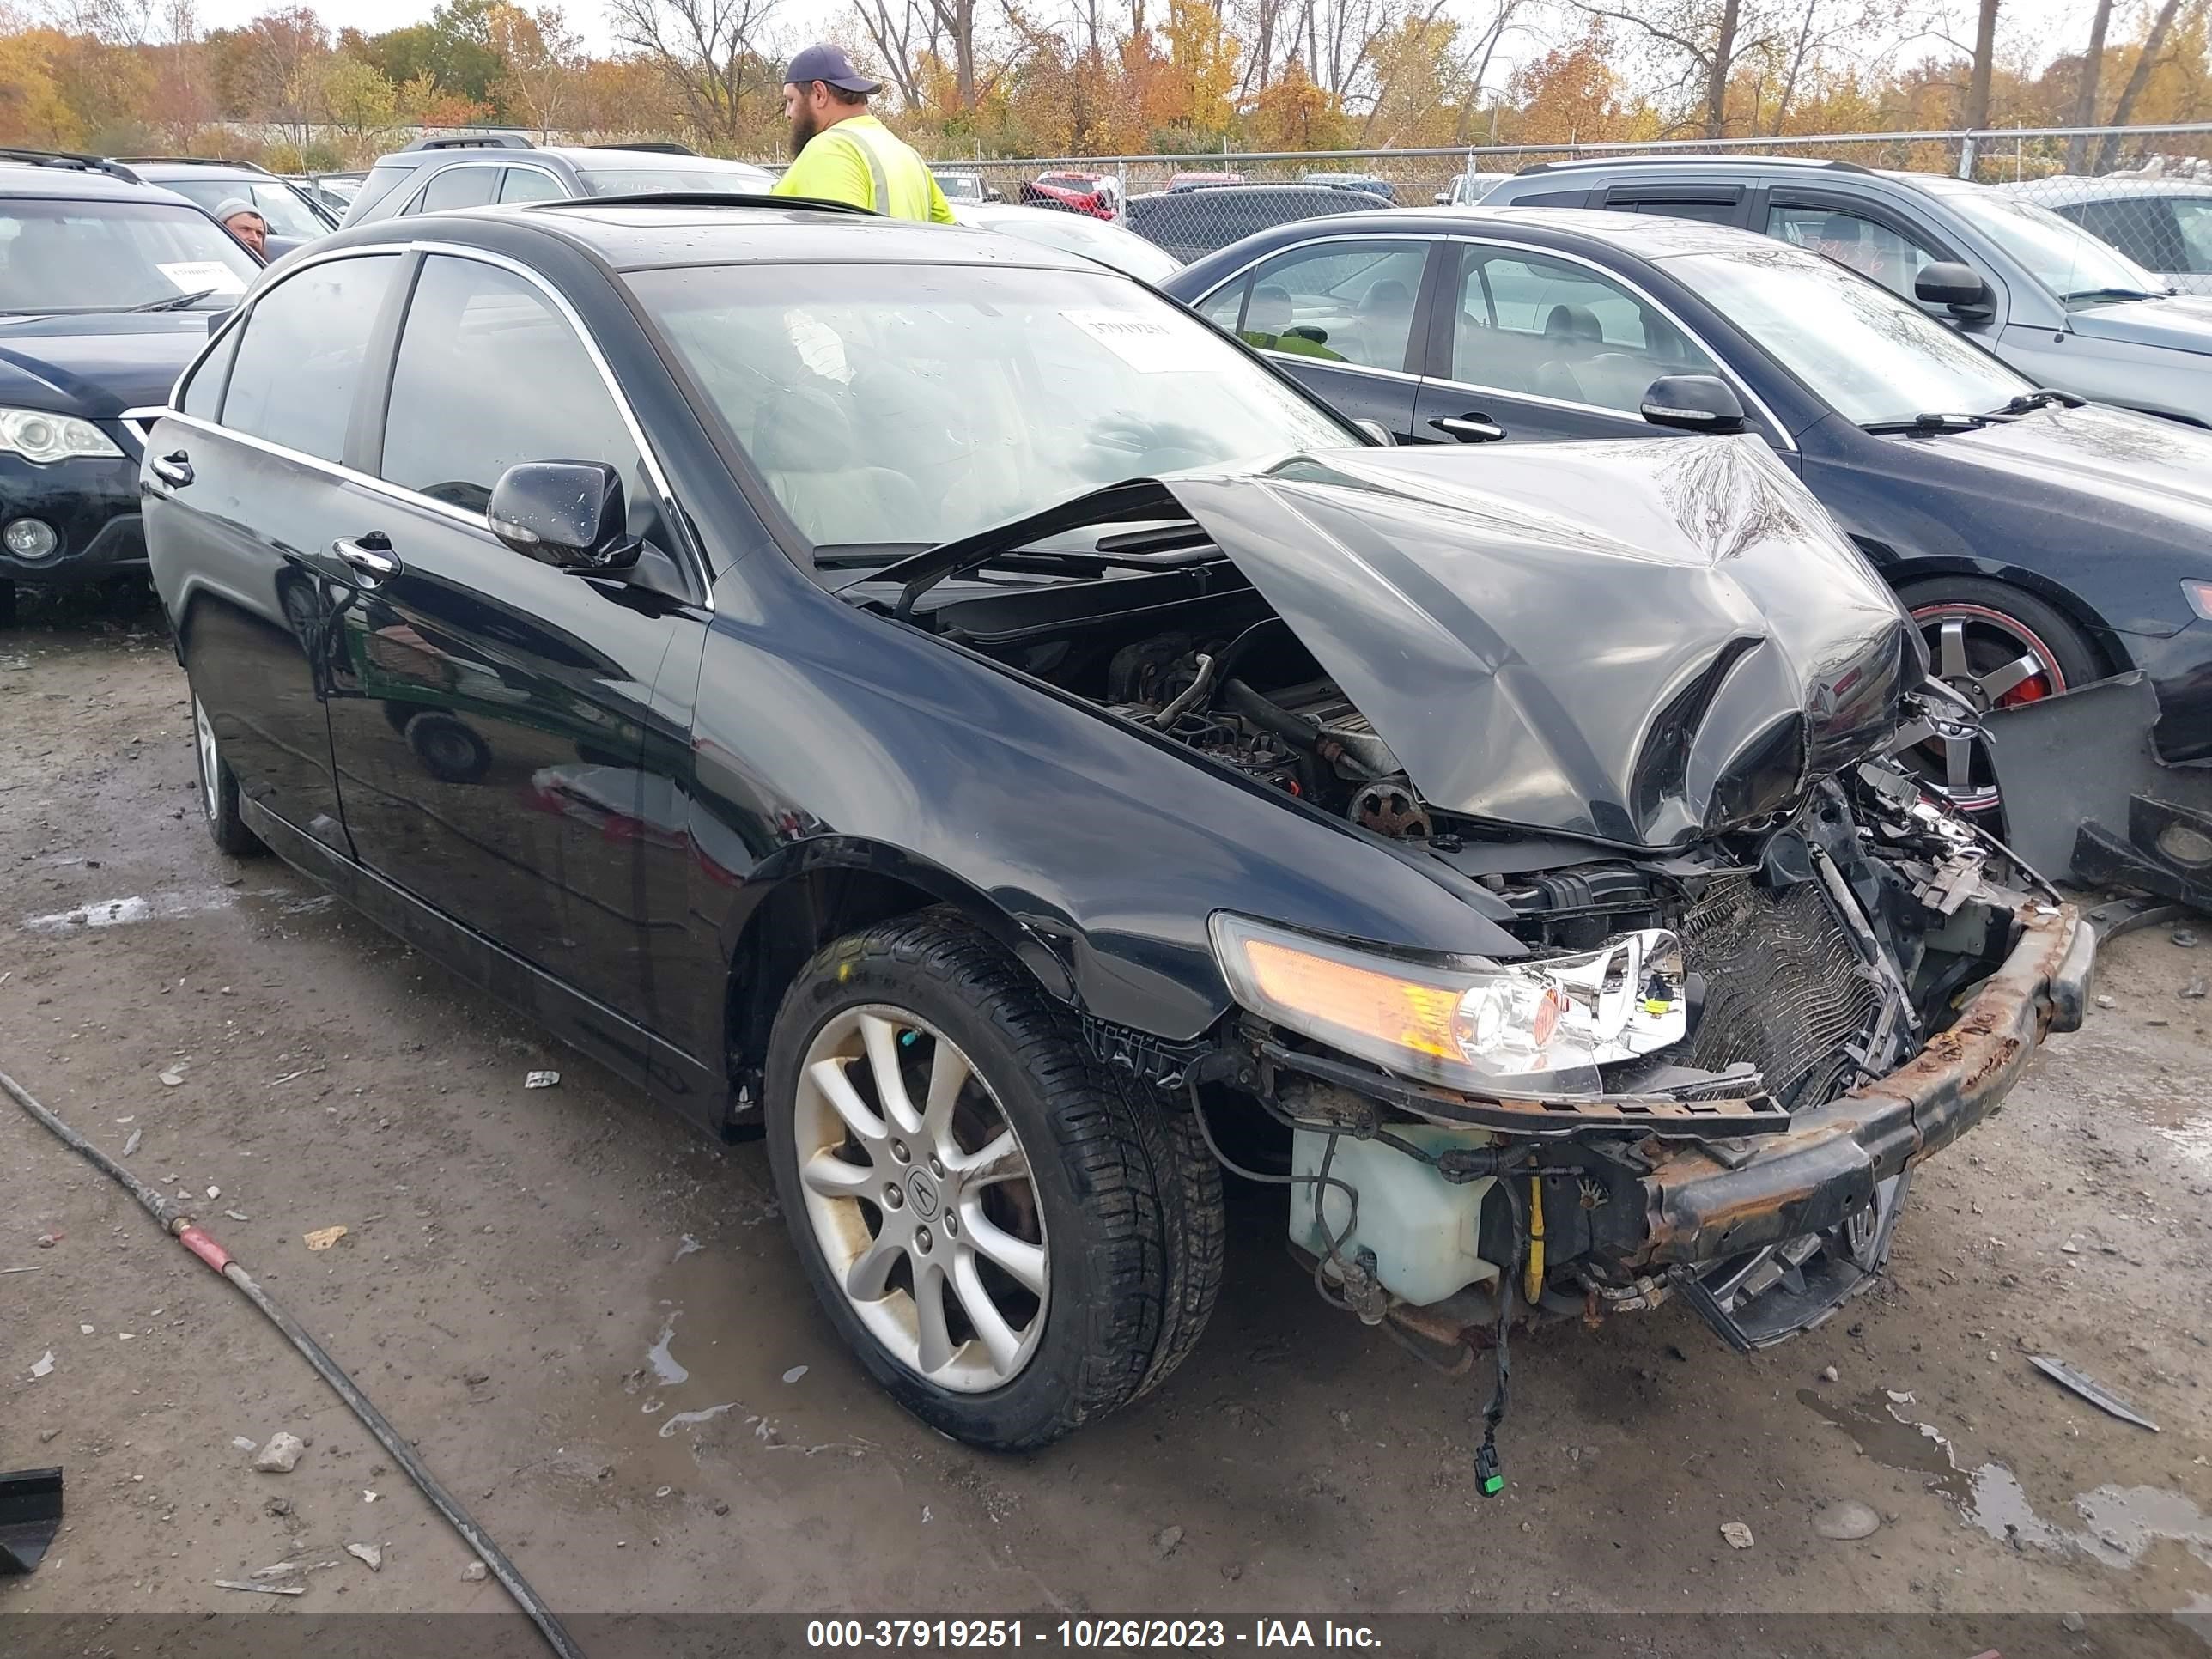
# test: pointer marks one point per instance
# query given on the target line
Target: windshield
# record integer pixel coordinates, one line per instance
(909, 404)
(1094, 238)
(2059, 254)
(701, 178)
(960, 186)
(112, 256)
(1867, 354)
(284, 212)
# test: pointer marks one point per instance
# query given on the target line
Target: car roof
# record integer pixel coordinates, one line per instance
(1648, 235)
(640, 236)
(72, 184)
(1606, 163)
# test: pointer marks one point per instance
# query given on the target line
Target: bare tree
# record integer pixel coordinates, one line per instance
(2085, 96)
(715, 55)
(900, 31)
(956, 20)
(1705, 37)
(2139, 77)
(1986, 51)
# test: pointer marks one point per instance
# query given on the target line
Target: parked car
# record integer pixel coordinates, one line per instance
(290, 213)
(1365, 183)
(2063, 308)
(1031, 778)
(1095, 194)
(1074, 233)
(333, 192)
(473, 169)
(2039, 543)
(105, 288)
(1467, 189)
(1202, 181)
(2163, 225)
(1192, 223)
(960, 185)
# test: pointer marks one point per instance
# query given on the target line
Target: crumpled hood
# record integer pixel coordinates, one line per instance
(2177, 323)
(97, 366)
(1644, 642)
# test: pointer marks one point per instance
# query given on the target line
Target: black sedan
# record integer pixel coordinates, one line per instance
(2041, 543)
(922, 693)
(106, 287)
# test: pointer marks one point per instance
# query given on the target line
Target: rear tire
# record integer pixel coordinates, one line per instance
(1116, 1211)
(219, 790)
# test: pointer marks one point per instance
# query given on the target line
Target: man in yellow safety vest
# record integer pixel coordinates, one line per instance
(843, 153)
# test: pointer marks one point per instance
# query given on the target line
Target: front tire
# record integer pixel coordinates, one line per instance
(219, 790)
(1010, 1238)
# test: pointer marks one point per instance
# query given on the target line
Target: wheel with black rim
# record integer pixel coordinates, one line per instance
(1011, 1239)
(218, 792)
(1998, 648)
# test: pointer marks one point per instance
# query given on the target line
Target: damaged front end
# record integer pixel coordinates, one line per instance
(1746, 974)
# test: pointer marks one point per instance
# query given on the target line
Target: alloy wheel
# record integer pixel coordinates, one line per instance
(926, 1214)
(1993, 660)
(211, 765)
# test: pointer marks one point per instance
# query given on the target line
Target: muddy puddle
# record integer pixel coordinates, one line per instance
(2120, 1525)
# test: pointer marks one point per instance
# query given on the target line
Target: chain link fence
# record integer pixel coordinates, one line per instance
(2147, 190)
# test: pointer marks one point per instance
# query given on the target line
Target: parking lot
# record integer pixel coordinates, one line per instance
(590, 1321)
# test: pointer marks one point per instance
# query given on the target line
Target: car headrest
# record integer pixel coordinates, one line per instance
(803, 431)
(1269, 311)
(1387, 292)
(1565, 322)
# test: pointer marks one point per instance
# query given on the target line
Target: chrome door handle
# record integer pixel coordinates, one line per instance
(1469, 429)
(371, 554)
(174, 470)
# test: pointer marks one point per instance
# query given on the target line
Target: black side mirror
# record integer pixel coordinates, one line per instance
(217, 319)
(569, 515)
(1693, 403)
(1949, 283)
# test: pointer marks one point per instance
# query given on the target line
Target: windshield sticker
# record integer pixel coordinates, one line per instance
(1148, 347)
(191, 275)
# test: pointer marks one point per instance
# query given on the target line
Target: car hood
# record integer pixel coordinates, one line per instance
(2137, 463)
(2179, 322)
(96, 366)
(1645, 642)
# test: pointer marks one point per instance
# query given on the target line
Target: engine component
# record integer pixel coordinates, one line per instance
(1423, 1230)
(1391, 809)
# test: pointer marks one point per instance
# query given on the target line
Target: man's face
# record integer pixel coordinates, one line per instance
(251, 230)
(802, 107)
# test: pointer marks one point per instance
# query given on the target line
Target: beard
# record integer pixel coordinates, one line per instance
(804, 127)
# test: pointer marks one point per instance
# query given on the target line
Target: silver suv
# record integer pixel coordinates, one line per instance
(476, 169)
(2058, 304)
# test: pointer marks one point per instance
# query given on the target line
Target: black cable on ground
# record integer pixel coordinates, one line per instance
(175, 1222)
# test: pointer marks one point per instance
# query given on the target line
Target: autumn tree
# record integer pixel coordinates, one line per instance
(715, 56)
(541, 59)
(1291, 112)
(1569, 93)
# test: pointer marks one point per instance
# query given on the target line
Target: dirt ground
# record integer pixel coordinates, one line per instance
(590, 1321)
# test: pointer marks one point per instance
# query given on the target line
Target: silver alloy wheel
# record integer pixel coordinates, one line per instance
(927, 1216)
(204, 735)
(1992, 660)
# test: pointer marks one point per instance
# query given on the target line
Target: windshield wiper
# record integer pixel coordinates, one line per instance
(1935, 421)
(171, 302)
(2113, 294)
(2029, 402)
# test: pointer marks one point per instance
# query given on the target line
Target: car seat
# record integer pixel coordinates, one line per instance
(804, 447)
(1570, 332)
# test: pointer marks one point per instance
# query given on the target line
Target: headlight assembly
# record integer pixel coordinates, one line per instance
(1538, 1027)
(38, 437)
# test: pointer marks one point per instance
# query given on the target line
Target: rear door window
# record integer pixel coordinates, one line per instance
(2140, 226)
(1343, 301)
(300, 355)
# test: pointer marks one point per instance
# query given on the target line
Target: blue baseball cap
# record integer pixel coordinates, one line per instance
(830, 65)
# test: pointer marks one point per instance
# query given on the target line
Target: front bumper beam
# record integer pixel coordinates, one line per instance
(1708, 1202)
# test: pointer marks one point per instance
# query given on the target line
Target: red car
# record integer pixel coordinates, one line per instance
(1094, 193)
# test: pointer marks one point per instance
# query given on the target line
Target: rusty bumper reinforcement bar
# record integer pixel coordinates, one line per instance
(1703, 1205)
